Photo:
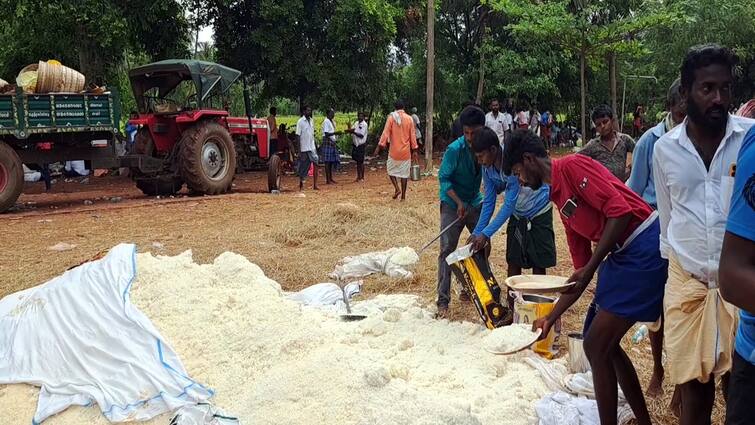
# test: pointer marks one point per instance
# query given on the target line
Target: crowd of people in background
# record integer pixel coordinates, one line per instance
(666, 225)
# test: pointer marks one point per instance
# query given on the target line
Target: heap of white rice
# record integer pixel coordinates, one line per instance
(272, 361)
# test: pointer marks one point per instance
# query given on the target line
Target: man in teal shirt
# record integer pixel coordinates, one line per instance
(460, 176)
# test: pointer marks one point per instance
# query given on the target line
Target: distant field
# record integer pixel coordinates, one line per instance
(342, 120)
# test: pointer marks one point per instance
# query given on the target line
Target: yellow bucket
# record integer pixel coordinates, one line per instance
(527, 309)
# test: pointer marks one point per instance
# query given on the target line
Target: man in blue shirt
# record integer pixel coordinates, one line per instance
(737, 280)
(460, 177)
(642, 183)
(641, 179)
(530, 241)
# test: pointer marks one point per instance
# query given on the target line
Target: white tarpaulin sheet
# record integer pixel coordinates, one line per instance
(81, 340)
(394, 262)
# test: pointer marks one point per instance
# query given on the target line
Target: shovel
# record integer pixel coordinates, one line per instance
(427, 245)
(349, 316)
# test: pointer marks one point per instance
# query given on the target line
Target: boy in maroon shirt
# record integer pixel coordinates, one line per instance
(596, 207)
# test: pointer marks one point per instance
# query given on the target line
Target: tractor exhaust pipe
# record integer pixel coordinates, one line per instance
(248, 106)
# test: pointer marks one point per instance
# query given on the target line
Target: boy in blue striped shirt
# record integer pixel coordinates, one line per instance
(530, 241)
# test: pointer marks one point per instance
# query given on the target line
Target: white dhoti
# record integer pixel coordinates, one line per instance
(400, 169)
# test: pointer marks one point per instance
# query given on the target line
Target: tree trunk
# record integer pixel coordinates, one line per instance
(481, 82)
(583, 95)
(430, 84)
(614, 97)
(91, 63)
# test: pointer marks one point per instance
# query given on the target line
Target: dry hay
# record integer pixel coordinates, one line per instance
(297, 241)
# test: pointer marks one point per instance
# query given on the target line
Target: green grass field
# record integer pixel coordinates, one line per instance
(342, 121)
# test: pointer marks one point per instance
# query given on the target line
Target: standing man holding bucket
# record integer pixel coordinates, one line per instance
(399, 131)
(596, 207)
(460, 198)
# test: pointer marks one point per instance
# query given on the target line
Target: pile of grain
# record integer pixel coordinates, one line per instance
(507, 338)
(272, 361)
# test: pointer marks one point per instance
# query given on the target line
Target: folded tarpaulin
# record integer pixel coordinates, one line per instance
(82, 341)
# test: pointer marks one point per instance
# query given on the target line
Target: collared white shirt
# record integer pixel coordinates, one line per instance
(328, 127)
(305, 129)
(361, 128)
(509, 120)
(693, 202)
(496, 123)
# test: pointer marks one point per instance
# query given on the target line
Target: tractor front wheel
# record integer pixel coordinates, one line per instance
(11, 177)
(207, 158)
(274, 172)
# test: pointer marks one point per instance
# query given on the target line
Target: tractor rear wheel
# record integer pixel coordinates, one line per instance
(274, 173)
(160, 185)
(207, 158)
(11, 176)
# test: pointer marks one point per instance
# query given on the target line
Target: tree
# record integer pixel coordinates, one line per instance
(93, 36)
(580, 27)
(331, 53)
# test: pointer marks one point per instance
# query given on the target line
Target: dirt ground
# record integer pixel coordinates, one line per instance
(297, 240)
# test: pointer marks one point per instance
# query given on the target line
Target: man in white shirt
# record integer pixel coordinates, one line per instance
(330, 155)
(509, 121)
(495, 120)
(359, 140)
(417, 124)
(693, 167)
(305, 136)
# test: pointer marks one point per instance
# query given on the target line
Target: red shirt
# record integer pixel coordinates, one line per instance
(599, 195)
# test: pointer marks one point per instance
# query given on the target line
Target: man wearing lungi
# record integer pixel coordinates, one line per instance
(530, 241)
(737, 276)
(597, 207)
(693, 167)
(330, 155)
(399, 131)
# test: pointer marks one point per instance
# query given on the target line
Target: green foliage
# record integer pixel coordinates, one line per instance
(92, 36)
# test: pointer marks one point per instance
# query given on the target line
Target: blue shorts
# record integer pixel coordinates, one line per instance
(631, 280)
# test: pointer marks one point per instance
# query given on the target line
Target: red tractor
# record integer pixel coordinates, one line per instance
(186, 134)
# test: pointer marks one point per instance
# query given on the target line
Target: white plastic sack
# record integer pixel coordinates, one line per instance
(77, 166)
(202, 414)
(560, 408)
(394, 262)
(325, 294)
(460, 254)
(82, 341)
(571, 393)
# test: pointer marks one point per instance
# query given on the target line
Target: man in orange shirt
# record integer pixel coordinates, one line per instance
(400, 133)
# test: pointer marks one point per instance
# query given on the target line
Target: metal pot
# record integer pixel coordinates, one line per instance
(578, 362)
(415, 173)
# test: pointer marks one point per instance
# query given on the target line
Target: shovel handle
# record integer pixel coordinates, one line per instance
(445, 229)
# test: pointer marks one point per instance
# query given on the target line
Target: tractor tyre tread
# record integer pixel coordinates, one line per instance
(190, 155)
(15, 175)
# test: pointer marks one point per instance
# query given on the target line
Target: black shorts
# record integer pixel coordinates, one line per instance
(741, 392)
(357, 153)
(531, 243)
